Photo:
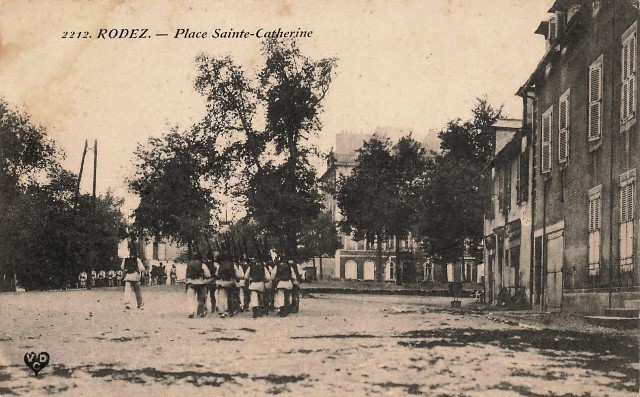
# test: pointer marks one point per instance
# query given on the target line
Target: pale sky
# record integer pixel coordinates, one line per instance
(406, 64)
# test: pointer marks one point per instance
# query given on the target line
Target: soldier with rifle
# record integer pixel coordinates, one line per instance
(198, 276)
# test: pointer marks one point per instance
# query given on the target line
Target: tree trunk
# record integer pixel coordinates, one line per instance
(399, 268)
(315, 271)
(379, 267)
(321, 267)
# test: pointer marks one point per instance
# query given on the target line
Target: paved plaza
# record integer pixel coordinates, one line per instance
(338, 345)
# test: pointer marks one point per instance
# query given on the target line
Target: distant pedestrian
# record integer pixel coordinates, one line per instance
(102, 277)
(110, 276)
(133, 267)
(173, 274)
(295, 291)
(198, 275)
(83, 279)
(118, 277)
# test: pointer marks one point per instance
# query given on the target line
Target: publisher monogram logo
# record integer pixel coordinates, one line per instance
(36, 361)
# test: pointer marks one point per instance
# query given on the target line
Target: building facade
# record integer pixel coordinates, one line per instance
(507, 223)
(580, 117)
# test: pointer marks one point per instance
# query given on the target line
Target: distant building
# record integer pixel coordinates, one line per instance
(356, 260)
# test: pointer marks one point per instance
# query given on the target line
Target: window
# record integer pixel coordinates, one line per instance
(595, 214)
(522, 183)
(627, 215)
(628, 61)
(553, 29)
(504, 194)
(546, 140)
(595, 99)
(563, 128)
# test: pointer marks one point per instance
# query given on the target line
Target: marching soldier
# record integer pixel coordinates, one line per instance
(243, 292)
(255, 277)
(269, 294)
(198, 275)
(134, 268)
(94, 276)
(225, 284)
(283, 287)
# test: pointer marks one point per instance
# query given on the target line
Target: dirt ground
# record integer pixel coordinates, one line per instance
(356, 345)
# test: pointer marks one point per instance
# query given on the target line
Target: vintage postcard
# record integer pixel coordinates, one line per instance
(319, 198)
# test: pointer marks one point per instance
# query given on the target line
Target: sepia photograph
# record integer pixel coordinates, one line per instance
(319, 198)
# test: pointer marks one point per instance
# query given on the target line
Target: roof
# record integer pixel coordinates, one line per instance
(347, 146)
(508, 123)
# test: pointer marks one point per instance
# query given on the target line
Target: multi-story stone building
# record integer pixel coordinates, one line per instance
(580, 117)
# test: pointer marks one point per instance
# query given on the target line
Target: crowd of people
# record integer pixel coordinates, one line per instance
(102, 278)
(157, 275)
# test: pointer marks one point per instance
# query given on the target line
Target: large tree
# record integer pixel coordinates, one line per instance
(380, 198)
(262, 125)
(174, 179)
(453, 193)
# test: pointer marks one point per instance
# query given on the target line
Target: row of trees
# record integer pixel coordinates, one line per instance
(253, 145)
(438, 198)
(48, 232)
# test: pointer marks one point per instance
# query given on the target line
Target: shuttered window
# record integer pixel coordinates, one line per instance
(628, 63)
(563, 128)
(595, 214)
(595, 99)
(553, 29)
(627, 216)
(546, 140)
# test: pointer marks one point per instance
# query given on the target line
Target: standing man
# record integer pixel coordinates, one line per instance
(83, 279)
(295, 292)
(133, 267)
(172, 274)
(102, 277)
(94, 276)
(118, 277)
(110, 275)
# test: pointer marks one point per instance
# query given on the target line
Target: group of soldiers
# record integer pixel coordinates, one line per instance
(115, 278)
(231, 286)
(109, 278)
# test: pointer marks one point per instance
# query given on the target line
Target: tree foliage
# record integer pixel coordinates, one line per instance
(381, 197)
(173, 178)
(25, 153)
(453, 193)
(319, 238)
(261, 125)
(44, 239)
